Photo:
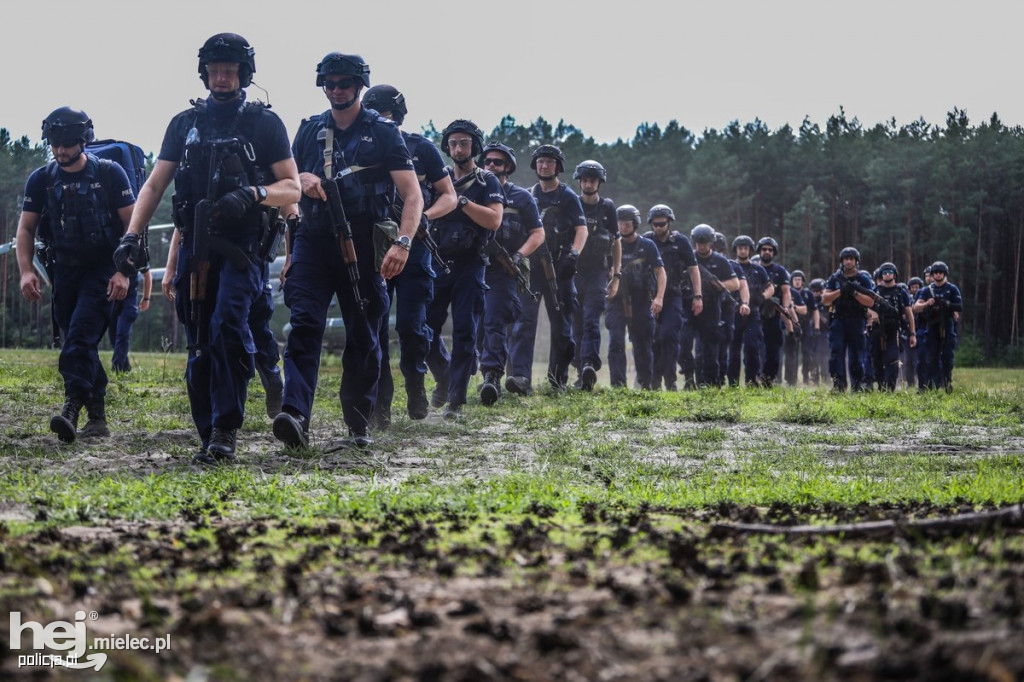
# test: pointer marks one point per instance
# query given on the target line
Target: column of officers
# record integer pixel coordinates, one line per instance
(378, 220)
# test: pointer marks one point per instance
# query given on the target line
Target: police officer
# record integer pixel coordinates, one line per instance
(411, 291)
(846, 329)
(893, 309)
(729, 306)
(565, 230)
(818, 346)
(910, 352)
(635, 299)
(794, 345)
(773, 323)
(708, 327)
(520, 234)
(601, 256)
(78, 204)
(748, 335)
(684, 298)
(125, 314)
(229, 160)
(364, 154)
(462, 236)
(939, 304)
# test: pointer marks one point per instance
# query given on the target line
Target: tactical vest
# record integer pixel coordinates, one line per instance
(597, 251)
(80, 225)
(677, 277)
(455, 233)
(512, 233)
(558, 232)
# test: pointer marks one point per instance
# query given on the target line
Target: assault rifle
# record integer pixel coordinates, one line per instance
(202, 233)
(497, 253)
(880, 301)
(423, 234)
(710, 282)
(544, 258)
(626, 285)
(342, 231)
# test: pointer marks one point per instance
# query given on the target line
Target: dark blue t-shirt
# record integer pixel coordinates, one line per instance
(519, 218)
(561, 212)
(677, 255)
(639, 259)
(717, 265)
(848, 306)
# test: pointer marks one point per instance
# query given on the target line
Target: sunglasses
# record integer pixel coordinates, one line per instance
(344, 84)
(660, 223)
(494, 161)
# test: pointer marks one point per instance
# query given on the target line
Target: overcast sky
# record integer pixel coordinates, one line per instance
(604, 66)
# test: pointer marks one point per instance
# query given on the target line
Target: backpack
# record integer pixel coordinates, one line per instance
(127, 155)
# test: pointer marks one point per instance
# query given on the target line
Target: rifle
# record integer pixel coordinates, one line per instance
(201, 234)
(710, 282)
(342, 230)
(497, 252)
(423, 234)
(880, 301)
(544, 258)
(626, 286)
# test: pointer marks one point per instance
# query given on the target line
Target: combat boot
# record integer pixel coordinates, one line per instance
(416, 404)
(96, 427)
(273, 386)
(490, 391)
(588, 377)
(440, 395)
(519, 385)
(291, 430)
(222, 444)
(65, 424)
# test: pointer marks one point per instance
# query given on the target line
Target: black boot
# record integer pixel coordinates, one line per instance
(65, 424)
(292, 430)
(96, 427)
(222, 446)
(490, 391)
(417, 397)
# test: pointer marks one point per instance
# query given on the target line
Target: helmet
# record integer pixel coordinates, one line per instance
(551, 151)
(768, 241)
(927, 270)
(67, 126)
(628, 212)
(588, 169)
(743, 240)
(877, 274)
(719, 244)
(702, 234)
(504, 149)
(886, 266)
(939, 266)
(849, 252)
(915, 280)
(228, 47)
(462, 125)
(798, 273)
(338, 64)
(817, 284)
(386, 98)
(660, 211)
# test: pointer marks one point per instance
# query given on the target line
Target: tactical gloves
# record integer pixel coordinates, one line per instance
(235, 203)
(129, 256)
(567, 265)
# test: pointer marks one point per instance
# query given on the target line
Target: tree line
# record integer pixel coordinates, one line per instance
(910, 194)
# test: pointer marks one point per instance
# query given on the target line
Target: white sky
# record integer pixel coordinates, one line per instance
(604, 66)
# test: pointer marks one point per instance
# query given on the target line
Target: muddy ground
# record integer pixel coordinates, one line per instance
(631, 594)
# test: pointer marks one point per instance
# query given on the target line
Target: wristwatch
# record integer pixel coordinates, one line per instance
(261, 194)
(404, 242)
(699, 297)
(463, 201)
(574, 253)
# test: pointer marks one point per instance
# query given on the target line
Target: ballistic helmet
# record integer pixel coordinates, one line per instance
(702, 234)
(887, 266)
(849, 252)
(719, 244)
(939, 266)
(228, 47)
(590, 169)
(386, 98)
(550, 151)
(504, 149)
(798, 273)
(68, 127)
(628, 212)
(817, 284)
(915, 280)
(338, 64)
(660, 211)
(743, 240)
(927, 270)
(768, 241)
(462, 125)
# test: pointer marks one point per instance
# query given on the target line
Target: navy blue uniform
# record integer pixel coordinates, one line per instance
(846, 339)
(561, 212)
(677, 255)
(120, 332)
(220, 342)
(592, 281)
(885, 337)
(83, 248)
(411, 291)
(631, 309)
(502, 300)
(318, 271)
(773, 327)
(940, 337)
(748, 333)
(730, 311)
(708, 327)
(460, 242)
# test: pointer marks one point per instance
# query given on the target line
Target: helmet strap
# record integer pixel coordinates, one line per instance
(74, 159)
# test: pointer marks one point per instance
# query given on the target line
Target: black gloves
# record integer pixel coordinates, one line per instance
(848, 290)
(517, 259)
(567, 266)
(235, 203)
(129, 256)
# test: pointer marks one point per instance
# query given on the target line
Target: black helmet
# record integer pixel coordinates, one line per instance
(551, 151)
(228, 47)
(386, 98)
(719, 244)
(817, 284)
(798, 273)
(660, 211)
(462, 125)
(702, 234)
(338, 64)
(877, 274)
(628, 212)
(743, 240)
(588, 169)
(887, 266)
(768, 241)
(504, 149)
(67, 126)
(927, 270)
(915, 280)
(939, 266)
(848, 252)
